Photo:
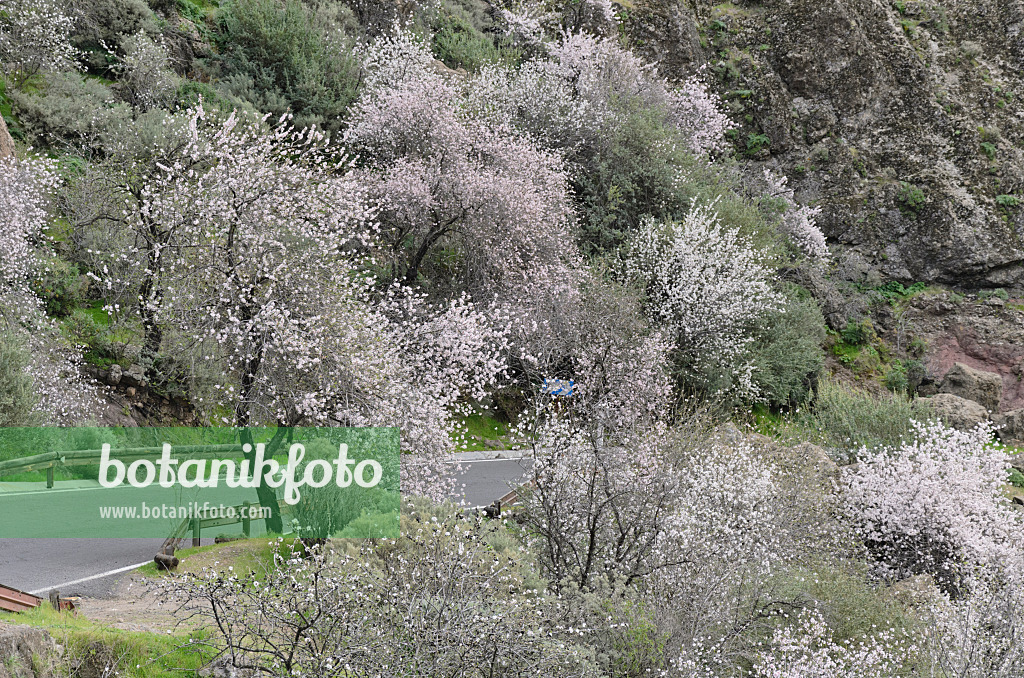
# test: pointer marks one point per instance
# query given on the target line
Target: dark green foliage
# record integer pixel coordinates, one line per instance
(630, 177)
(191, 91)
(459, 44)
(60, 287)
(90, 328)
(756, 144)
(17, 391)
(636, 173)
(788, 353)
(911, 197)
(904, 375)
(282, 55)
(13, 128)
(858, 333)
(1007, 201)
(893, 290)
(628, 637)
(193, 12)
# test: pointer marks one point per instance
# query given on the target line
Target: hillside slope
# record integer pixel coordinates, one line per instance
(903, 120)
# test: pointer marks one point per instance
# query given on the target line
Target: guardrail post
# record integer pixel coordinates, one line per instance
(197, 525)
(245, 518)
(49, 478)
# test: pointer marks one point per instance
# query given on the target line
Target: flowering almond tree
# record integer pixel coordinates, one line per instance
(35, 36)
(798, 220)
(252, 276)
(706, 285)
(573, 94)
(476, 207)
(26, 189)
(935, 506)
(807, 650)
(439, 601)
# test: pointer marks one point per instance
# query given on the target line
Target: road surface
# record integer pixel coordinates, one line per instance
(89, 567)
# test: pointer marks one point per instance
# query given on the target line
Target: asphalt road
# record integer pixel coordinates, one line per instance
(89, 567)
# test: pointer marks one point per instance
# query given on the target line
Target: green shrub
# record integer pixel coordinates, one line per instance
(788, 353)
(847, 419)
(283, 56)
(989, 149)
(637, 173)
(997, 293)
(458, 44)
(903, 375)
(1016, 478)
(626, 633)
(852, 604)
(893, 290)
(13, 127)
(858, 333)
(756, 143)
(631, 176)
(911, 197)
(18, 398)
(191, 91)
(69, 110)
(1007, 201)
(104, 346)
(59, 285)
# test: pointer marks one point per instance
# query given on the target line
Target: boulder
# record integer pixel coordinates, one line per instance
(728, 434)
(114, 375)
(816, 460)
(984, 388)
(224, 667)
(958, 412)
(134, 376)
(1011, 426)
(26, 652)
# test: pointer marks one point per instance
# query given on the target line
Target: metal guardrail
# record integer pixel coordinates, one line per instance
(196, 525)
(48, 461)
(13, 600)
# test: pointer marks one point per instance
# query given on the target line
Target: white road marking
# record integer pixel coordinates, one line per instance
(85, 579)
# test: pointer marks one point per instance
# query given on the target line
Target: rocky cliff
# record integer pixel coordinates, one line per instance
(903, 120)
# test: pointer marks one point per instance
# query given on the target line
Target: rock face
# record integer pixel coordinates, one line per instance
(903, 121)
(6, 142)
(984, 388)
(25, 652)
(1011, 427)
(958, 412)
(987, 338)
